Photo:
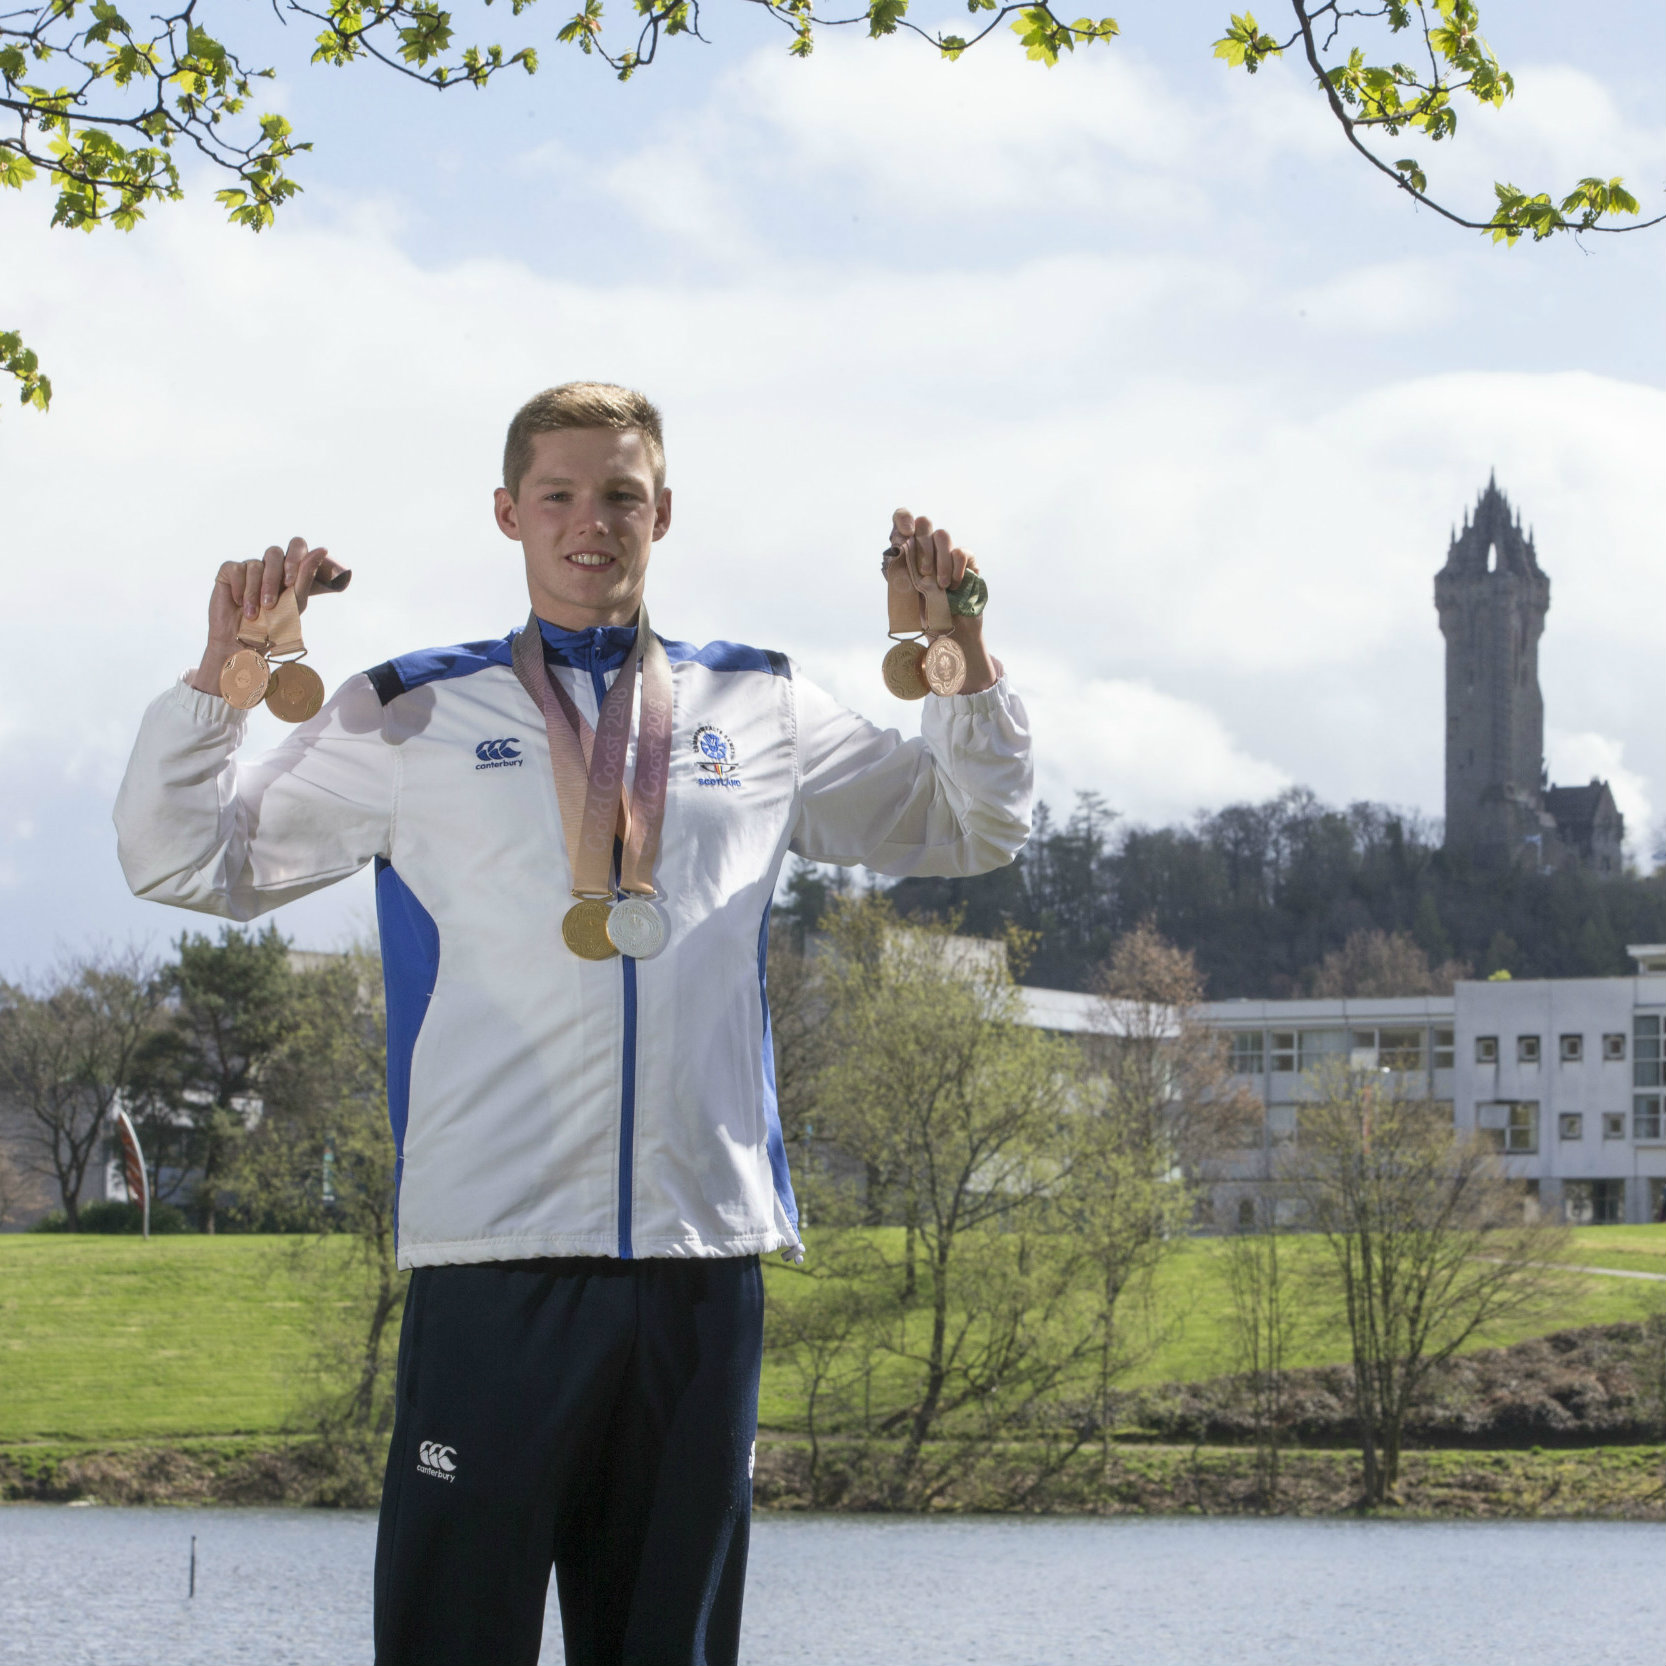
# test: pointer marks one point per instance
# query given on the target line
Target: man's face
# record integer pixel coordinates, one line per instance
(586, 517)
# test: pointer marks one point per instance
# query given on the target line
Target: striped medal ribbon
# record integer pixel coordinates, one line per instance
(588, 766)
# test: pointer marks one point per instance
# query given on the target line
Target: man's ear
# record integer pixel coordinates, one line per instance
(503, 512)
(662, 512)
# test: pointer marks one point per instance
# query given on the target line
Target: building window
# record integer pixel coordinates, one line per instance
(1645, 1050)
(1645, 1117)
(1527, 1049)
(1445, 1049)
(1247, 1055)
(1400, 1049)
(1246, 1214)
(1314, 1047)
(1511, 1124)
(1572, 1049)
(1486, 1049)
(1614, 1048)
(1284, 1050)
(1608, 1202)
(1571, 1125)
(1613, 1125)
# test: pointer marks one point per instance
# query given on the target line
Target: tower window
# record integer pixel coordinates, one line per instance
(1492, 558)
(1527, 1049)
(1573, 1049)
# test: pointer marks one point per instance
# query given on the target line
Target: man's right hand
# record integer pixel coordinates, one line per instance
(241, 590)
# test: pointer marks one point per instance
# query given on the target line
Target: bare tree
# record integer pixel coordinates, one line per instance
(1431, 1245)
(1159, 1104)
(1264, 1309)
(936, 1082)
(1377, 963)
(20, 1191)
(67, 1049)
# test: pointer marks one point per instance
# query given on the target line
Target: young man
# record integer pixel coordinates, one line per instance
(590, 1161)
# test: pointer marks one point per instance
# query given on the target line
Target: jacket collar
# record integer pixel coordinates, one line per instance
(601, 648)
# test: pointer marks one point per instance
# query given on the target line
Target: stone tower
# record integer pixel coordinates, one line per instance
(1492, 599)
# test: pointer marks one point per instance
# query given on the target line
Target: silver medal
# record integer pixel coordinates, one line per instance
(636, 928)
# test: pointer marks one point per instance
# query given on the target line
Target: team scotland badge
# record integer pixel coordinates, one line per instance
(716, 753)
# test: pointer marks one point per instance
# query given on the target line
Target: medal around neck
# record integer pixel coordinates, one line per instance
(584, 929)
(597, 812)
(636, 928)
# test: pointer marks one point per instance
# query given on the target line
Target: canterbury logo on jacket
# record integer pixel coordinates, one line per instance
(541, 1104)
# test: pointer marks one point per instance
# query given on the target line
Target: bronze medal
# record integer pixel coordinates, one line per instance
(244, 677)
(902, 673)
(584, 930)
(295, 693)
(944, 666)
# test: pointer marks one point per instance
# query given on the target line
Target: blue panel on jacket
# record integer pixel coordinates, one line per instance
(772, 1107)
(410, 968)
(730, 656)
(434, 665)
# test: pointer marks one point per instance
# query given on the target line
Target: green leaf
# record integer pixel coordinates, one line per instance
(1245, 45)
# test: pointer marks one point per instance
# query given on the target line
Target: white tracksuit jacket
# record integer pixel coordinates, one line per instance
(542, 1104)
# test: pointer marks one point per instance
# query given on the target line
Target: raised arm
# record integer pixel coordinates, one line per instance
(956, 801)
(200, 829)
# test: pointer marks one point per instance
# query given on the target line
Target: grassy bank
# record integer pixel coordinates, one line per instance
(112, 1339)
(1613, 1483)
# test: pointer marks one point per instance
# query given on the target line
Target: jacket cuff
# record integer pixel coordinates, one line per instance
(206, 711)
(987, 702)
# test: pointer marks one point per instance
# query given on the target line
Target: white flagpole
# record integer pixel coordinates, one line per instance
(134, 1171)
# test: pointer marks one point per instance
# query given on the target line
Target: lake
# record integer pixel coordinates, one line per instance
(102, 1586)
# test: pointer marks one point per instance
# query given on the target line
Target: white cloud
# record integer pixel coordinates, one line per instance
(1154, 756)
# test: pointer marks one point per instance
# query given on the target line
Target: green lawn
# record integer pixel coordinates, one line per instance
(108, 1338)
(116, 1338)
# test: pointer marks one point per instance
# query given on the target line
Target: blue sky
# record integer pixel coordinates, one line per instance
(1202, 395)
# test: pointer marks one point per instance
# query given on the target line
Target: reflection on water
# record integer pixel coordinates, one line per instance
(106, 1587)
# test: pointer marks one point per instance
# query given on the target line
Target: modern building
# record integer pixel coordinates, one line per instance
(1566, 1076)
(1492, 598)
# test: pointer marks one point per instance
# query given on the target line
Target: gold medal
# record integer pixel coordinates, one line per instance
(944, 666)
(295, 693)
(902, 672)
(584, 930)
(243, 678)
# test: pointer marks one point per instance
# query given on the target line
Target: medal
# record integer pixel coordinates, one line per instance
(267, 665)
(903, 673)
(296, 692)
(243, 679)
(588, 769)
(944, 666)
(920, 608)
(636, 928)
(584, 929)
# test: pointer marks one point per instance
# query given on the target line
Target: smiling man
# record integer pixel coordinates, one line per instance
(577, 830)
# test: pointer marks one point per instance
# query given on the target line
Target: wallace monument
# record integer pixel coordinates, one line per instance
(1492, 598)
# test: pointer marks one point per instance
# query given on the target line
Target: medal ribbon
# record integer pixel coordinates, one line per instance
(276, 630)
(588, 765)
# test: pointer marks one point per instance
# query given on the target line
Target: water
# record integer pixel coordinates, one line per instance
(106, 1587)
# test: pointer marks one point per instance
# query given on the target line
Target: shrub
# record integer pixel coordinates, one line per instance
(111, 1216)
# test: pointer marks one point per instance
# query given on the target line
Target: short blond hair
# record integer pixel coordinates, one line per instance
(581, 405)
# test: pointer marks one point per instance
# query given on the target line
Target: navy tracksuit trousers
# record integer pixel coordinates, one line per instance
(591, 1413)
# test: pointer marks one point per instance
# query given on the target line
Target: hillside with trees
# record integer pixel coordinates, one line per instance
(1261, 894)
